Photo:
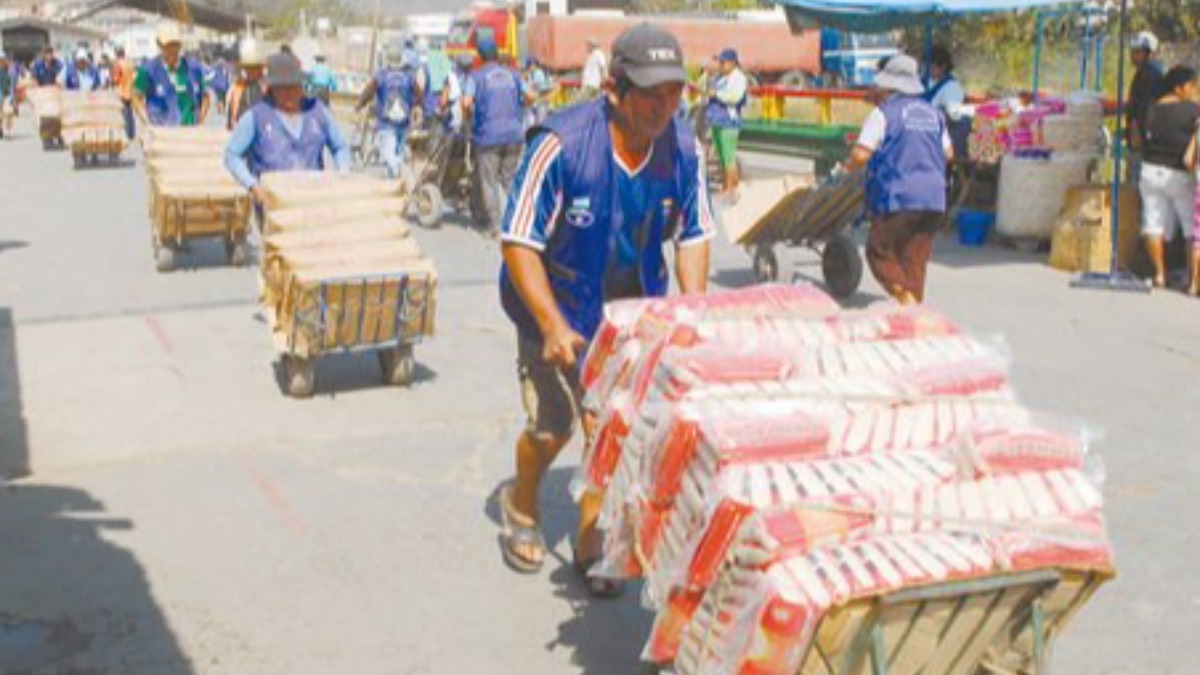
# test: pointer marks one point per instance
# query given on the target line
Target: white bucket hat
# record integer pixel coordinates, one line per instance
(901, 75)
(1144, 40)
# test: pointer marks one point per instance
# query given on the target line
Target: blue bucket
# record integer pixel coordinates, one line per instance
(974, 226)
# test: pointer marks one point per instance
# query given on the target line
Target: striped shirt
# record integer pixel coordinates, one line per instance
(536, 200)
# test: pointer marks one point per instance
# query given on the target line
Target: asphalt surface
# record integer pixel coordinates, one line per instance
(170, 511)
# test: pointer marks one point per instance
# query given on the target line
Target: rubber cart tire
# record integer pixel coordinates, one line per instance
(766, 265)
(164, 258)
(398, 365)
(430, 206)
(301, 376)
(841, 265)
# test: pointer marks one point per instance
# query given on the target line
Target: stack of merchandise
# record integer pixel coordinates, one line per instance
(339, 269)
(192, 195)
(768, 458)
(93, 124)
(47, 105)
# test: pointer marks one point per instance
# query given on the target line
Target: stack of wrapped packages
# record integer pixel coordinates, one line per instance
(339, 269)
(1042, 149)
(93, 124)
(47, 105)
(192, 194)
(769, 458)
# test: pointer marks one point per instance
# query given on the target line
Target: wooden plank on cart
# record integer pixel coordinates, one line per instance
(759, 204)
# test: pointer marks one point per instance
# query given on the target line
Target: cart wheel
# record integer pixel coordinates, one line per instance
(238, 252)
(301, 376)
(841, 265)
(164, 258)
(398, 365)
(766, 265)
(429, 206)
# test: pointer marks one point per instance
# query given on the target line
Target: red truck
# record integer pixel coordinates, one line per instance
(766, 48)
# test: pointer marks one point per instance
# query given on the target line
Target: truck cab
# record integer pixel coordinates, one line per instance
(499, 24)
(851, 59)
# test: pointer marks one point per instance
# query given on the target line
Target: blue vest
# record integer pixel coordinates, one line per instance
(579, 255)
(393, 82)
(72, 78)
(719, 114)
(46, 75)
(162, 102)
(908, 170)
(220, 78)
(275, 149)
(433, 94)
(498, 109)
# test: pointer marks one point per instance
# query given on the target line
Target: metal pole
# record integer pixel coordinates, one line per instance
(1119, 141)
(1037, 56)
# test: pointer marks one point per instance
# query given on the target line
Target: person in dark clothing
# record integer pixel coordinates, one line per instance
(1168, 184)
(1146, 88)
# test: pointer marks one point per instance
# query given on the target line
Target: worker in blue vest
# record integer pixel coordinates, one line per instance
(905, 147)
(495, 98)
(80, 75)
(170, 87)
(285, 132)
(47, 68)
(394, 91)
(603, 187)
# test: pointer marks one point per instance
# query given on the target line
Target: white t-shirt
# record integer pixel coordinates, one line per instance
(732, 88)
(875, 128)
(950, 99)
(595, 70)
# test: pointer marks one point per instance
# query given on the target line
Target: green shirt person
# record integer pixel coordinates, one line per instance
(170, 88)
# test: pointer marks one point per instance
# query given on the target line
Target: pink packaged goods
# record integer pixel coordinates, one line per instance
(766, 457)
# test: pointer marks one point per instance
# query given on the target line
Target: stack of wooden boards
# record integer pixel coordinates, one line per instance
(47, 105)
(340, 272)
(808, 490)
(93, 126)
(192, 194)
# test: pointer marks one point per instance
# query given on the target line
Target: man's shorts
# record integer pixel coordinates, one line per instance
(552, 398)
(726, 141)
(1168, 202)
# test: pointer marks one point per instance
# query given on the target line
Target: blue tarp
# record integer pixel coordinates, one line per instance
(883, 15)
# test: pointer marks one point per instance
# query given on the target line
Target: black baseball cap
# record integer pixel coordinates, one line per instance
(648, 56)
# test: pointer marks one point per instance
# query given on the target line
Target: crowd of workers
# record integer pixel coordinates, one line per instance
(585, 200)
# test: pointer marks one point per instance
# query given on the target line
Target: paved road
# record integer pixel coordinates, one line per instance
(182, 516)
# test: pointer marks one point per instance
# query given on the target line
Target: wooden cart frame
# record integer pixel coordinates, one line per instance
(810, 216)
(96, 148)
(395, 354)
(233, 213)
(1000, 625)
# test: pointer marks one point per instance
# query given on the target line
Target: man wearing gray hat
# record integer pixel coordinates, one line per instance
(284, 132)
(603, 188)
(905, 146)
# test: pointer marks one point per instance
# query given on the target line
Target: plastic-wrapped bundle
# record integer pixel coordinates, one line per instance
(791, 356)
(648, 321)
(1033, 191)
(287, 189)
(334, 214)
(791, 566)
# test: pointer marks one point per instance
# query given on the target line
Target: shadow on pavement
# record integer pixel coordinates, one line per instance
(8, 245)
(348, 373)
(70, 601)
(604, 636)
(14, 440)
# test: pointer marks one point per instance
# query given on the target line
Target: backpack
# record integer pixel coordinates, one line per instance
(395, 108)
